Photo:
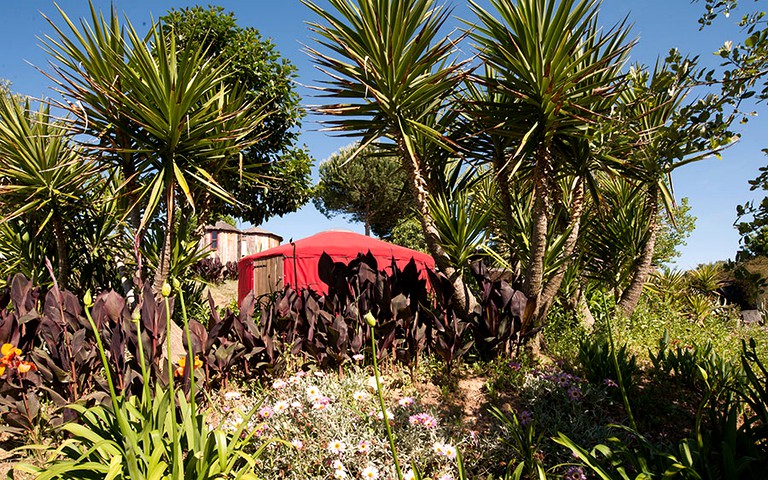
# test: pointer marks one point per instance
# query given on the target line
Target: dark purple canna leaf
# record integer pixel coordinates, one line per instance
(23, 295)
(325, 269)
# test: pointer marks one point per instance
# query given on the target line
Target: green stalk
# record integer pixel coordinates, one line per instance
(176, 456)
(144, 371)
(191, 362)
(130, 450)
(372, 322)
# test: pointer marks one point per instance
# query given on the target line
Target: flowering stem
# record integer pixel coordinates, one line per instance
(177, 459)
(190, 353)
(383, 407)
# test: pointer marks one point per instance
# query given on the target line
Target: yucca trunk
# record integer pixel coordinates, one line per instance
(164, 262)
(462, 297)
(534, 275)
(552, 286)
(631, 296)
(62, 252)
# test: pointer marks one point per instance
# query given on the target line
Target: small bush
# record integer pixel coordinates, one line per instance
(597, 362)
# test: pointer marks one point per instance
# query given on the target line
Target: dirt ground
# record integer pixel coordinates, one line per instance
(224, 293)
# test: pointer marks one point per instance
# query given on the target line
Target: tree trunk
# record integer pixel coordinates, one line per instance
(164, 263)
(552, 286)
(62, 276)
(631, 295)
(534, 276)
(463, 299)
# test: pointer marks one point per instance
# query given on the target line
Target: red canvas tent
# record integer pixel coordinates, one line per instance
(295, 263)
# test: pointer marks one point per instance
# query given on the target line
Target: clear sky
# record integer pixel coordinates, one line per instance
(714, 187)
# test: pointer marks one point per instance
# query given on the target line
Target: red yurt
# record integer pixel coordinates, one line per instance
(296, 263)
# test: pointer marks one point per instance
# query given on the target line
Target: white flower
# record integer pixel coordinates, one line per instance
(449, 451)
(360, 395)
(318, 373)
(358, 357)
(405, 402)
(232, 395)
(280, 407)
(278, 384)
(337, 465)
(371, 383)
(439, 448)
(313, 392)
(339, 474)
(298, 444)
(297, 406)
(336, 447)
(370, 472)
(409, 475)
(390, 415)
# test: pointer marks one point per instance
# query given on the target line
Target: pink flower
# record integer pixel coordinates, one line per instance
(405, 402)
(297, 444)
(265, 412)
(364, 447)
(358, 357)
(423, 419)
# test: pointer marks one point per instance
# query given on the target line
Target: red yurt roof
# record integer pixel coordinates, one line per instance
(342, 246)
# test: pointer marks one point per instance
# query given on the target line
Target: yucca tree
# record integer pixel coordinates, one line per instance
(615, 229)
(390, 73)
(44, 177)
(166, 112)
(87, 63)
(559, 73)
(668, 134)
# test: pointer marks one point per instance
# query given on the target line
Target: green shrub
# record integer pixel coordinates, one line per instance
(597, 363)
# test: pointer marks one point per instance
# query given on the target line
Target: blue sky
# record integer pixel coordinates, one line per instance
(714, 187)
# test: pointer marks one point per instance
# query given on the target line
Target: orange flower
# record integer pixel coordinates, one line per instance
(183, 363)
(9, 350)
(2, 370)
(24, 367)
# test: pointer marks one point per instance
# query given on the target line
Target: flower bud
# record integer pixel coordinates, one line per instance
(370, 319)
(166, 291)
(88, 299)
(175, 283)
(136, 315)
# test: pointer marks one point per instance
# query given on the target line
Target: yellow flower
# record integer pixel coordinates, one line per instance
(24, 367)
(2, 370)
(9, 350)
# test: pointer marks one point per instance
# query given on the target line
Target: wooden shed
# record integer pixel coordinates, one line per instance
(229, 244)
